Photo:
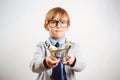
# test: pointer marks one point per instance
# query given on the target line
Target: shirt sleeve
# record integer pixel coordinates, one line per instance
(37, 64)
(80, 63)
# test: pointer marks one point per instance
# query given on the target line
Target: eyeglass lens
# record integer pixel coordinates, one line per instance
(54, 23)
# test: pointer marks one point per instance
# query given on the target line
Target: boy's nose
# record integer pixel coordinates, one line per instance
(58, 25)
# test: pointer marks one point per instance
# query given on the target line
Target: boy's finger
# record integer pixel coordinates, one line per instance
(54, 58)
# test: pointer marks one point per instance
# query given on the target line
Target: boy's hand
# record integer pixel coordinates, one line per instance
(69, 59)
(52, 61)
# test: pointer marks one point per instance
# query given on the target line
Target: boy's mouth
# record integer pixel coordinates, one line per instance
(58, 31)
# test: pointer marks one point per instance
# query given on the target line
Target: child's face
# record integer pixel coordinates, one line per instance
(57, 28)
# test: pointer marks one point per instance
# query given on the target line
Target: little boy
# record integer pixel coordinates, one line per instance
(57, 58)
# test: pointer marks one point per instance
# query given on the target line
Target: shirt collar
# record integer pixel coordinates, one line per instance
(61, 41)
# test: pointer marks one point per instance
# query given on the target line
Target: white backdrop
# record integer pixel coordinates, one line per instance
(95, 26)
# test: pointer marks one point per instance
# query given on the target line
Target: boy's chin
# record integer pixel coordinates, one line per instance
(58, 37)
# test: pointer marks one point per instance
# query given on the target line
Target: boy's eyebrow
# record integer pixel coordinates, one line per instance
(58, 20)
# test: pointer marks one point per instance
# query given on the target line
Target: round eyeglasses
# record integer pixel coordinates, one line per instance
(54, 23)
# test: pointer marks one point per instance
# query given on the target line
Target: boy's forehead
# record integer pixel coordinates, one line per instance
(59, 17)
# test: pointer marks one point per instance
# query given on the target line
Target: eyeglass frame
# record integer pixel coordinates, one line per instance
(56, 23)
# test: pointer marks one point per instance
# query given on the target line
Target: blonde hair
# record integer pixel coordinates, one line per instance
(56, 11)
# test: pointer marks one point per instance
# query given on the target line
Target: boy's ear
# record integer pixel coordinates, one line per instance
(46, 27)
(68, 27)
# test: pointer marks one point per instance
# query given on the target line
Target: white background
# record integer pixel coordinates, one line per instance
(95, 26)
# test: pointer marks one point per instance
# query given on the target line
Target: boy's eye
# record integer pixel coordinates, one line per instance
(63, 22)
(53, 22)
